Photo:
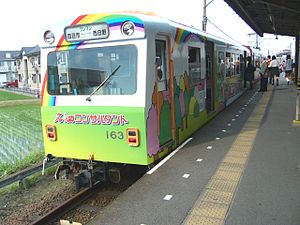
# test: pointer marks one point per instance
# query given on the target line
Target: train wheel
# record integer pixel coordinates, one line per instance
(114, 175)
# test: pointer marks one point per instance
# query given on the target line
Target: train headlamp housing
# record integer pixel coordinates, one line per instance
(133, 137)
(49, 37)
(128, 28)
(51, 132)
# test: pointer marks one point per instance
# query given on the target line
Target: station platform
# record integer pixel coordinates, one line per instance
(242, 168)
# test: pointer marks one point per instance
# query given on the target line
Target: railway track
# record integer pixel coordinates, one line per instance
(22, 175)
(89, 199)
(71, 203)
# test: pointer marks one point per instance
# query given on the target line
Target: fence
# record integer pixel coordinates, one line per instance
(25, 90)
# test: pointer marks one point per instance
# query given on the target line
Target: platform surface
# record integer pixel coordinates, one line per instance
(242, 168)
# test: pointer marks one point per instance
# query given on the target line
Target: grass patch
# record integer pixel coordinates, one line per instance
(21, 143)
(31, 181)
(34, 157)
(29, 114)
(6, 96)
(20, 132)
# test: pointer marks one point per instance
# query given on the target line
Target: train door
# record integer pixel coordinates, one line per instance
(164, 100)
(210, 78)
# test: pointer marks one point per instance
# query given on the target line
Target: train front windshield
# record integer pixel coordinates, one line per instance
(81, 71)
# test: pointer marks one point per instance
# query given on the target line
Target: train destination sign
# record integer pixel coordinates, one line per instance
(86, 32)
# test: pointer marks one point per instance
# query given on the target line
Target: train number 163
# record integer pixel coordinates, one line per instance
(114, 135)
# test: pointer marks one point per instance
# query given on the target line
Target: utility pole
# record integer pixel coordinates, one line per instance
(204, 20)
(256, 40)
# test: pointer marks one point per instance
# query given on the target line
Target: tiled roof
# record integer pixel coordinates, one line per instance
(13, 55)
(27, 51)
(34, 50)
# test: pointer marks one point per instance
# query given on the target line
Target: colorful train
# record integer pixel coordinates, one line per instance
(128, 88)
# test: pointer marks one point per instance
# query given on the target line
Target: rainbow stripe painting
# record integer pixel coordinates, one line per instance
(183, 36)
(114, 22)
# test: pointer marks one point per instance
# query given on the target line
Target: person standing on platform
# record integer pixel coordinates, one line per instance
(288, 69)
(250, 71)
(263, 76)
(269, 62)
(269, 59)
(274, 70)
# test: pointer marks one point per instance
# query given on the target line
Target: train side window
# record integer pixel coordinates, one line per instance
(221, 63)
(194, 65)
(242, 65)
(161, 64)
(237, 65)
(229, 64)
(233, 64)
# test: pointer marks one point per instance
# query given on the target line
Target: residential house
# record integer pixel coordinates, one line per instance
(29, 67)
(8, 66)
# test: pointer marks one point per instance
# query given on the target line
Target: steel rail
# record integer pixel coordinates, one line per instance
(25, 173)
(71, 203)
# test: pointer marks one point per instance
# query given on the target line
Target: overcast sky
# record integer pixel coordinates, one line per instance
(24, 22)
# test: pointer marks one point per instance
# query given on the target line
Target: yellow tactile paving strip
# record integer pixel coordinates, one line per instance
(214, 202)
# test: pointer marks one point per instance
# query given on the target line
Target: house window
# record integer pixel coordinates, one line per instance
(34, 78)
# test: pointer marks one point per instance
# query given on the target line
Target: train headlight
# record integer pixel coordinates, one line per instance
(133, 137)
(51, 132)
(128, 28)
(49, 37)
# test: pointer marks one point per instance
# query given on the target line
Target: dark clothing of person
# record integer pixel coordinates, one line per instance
(274, 71)
(264, 76)
(263, 83)
(271, 79)
(250, 74)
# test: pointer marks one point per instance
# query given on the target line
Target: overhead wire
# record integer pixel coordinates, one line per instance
(223, 32)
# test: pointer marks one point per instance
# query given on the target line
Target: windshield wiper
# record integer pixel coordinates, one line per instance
(103, 82)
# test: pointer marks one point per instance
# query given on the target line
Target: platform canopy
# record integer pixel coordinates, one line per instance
(279, 17)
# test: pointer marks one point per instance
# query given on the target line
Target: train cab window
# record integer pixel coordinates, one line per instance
(194, 65)
(81, 71)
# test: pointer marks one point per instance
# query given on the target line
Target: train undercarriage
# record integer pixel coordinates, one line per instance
(86, 173)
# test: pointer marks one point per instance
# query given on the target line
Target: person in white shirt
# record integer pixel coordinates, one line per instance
(274, 70)
(288, 69)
